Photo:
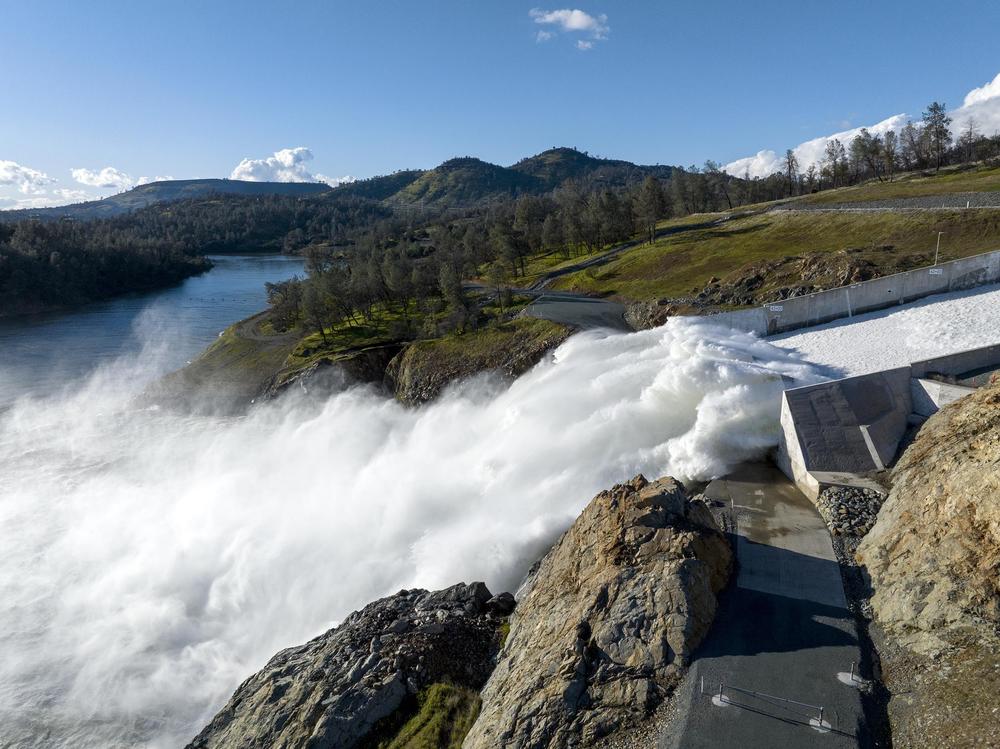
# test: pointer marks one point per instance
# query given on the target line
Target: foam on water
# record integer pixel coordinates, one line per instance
(151, 561)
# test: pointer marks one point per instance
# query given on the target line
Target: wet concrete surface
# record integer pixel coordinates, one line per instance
(782, 630)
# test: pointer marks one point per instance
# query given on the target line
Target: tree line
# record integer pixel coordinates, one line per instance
(927, 144)
(44, 266)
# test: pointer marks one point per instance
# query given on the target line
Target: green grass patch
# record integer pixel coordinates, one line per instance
(913, 185)
(485, 343)
(678, 264)
(439, 718)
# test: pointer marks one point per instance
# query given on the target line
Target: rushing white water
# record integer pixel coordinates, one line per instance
(151, 561)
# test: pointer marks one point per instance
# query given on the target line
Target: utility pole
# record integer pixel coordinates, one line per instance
(938, 248)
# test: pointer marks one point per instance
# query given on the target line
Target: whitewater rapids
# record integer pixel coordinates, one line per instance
(152, 561)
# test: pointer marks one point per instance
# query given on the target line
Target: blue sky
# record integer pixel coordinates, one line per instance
(190, 89)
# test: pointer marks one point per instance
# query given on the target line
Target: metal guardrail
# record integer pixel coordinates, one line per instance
(721, 696)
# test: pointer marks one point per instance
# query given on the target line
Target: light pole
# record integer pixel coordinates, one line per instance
(938, 248)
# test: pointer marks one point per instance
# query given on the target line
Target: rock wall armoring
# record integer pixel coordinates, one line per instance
(331, 692)
(934, 553)
(608, 621)
(934, 561)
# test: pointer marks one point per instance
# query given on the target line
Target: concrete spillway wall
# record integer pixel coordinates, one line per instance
(838, 431)
(866, 296)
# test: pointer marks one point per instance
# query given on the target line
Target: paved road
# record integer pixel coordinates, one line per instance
(782, 629)
(608, 255)
(578, 311)
(943, 202)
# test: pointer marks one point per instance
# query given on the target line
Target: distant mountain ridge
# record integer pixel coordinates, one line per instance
(466, 181)
(457, 183)
(164, 191)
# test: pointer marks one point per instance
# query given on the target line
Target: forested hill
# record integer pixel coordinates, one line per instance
(457, 183)
(164, 191)
(467, 181)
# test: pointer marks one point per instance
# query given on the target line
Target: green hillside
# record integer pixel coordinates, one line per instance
(167, 191)
(464, 181)
(557, 165)
(781, 250)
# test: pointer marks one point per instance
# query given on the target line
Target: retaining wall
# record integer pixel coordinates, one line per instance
(866, 296)
(837, 431)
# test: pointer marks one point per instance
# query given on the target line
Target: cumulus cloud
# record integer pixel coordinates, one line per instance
(764, 163)
(984, 93)
(981, 106)
(567, 20)
(28, 181)
(147, 180)
(109, 176)
(335, 181)
(286, 165)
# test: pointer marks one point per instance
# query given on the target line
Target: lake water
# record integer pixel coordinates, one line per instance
(43, 354)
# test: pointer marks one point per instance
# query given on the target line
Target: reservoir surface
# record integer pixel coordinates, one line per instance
(43, 354)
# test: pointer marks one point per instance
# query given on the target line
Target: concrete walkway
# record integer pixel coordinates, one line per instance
(782, 629)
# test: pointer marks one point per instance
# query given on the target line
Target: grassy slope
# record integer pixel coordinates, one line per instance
(916, 184)
(677, 265)
(237, 366)
(438, 718)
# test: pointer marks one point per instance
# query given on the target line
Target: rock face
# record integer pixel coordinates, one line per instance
(425, 368)
(607, 622)
(332, 373)
(333, 690)
(934, 557)
(934, 553)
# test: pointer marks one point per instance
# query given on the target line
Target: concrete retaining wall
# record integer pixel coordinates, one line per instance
(958, 364)
(880, 293)
(835, 432)
(929, 396)
(867, 296)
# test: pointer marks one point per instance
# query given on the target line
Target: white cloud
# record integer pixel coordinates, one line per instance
(71, 196)
(982, 105)
(55, 198)
(984, 93)
(810, 153)
(572, 21)
(335, 181)
(286, 165)
(147, 180)
(106, 177)
(29, 181)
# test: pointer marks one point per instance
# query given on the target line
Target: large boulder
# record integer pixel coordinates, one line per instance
(606, 624)
(934, 561)
(334, 690)
(934, 552)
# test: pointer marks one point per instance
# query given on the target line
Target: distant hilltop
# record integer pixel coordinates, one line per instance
(457, 183)
(167, 190)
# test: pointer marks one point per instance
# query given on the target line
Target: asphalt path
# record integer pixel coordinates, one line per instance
(782, 631)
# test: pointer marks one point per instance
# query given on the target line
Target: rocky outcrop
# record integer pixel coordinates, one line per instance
(934, 553)
(331, 373)
(646, 315)
(425, 368)
(334, 690)
(933, 557)
(607, 622)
